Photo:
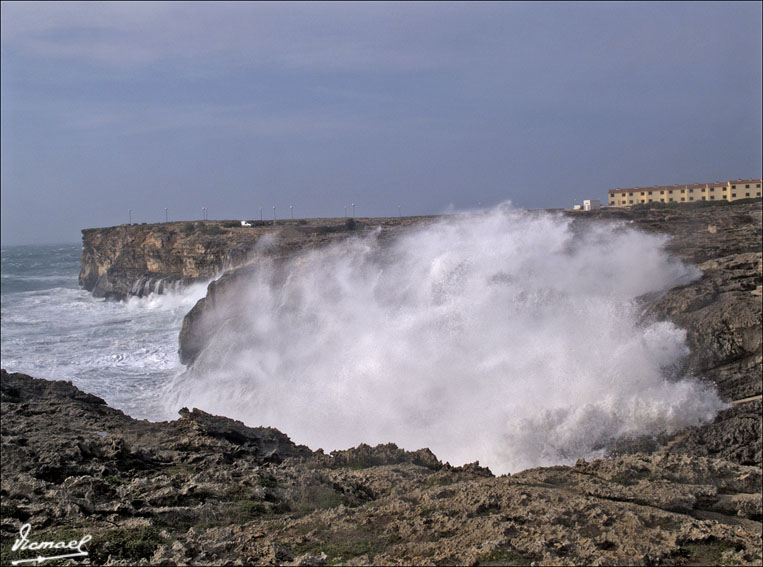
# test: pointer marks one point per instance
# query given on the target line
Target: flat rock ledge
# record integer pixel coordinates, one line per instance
(207, 490)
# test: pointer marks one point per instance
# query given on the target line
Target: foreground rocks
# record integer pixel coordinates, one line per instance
(208, 490)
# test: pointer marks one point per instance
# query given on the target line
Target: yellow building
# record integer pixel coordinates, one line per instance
(717, 191)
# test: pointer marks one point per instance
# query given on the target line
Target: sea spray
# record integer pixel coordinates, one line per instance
(506, 337)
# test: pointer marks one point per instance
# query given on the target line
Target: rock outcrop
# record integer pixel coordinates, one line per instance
(721, 311)
(207, 490)
(136, 260)
(126, 260)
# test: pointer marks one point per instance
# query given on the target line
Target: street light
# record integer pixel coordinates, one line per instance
(129, 215)
(260, 213)
(399, 211)
(345, 211)
(292, 211)
(353, 210)
(274, 214)
(166, 217)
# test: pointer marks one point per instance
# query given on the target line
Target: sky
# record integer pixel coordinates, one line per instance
(418, 108)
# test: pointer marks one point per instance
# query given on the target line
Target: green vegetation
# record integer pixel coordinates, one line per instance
(503, 556)
(708, 552)
(212, 230)
(341, 547)
(124, 544)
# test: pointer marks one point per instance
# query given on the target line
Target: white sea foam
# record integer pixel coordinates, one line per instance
(124, 352)
(504, 337)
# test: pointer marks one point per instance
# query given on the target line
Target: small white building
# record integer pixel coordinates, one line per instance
(591, 204)
(244, 223)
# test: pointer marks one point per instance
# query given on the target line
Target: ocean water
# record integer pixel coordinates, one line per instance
(124, 352)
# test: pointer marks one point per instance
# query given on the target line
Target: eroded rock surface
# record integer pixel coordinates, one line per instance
(136, 260)
(207, 490)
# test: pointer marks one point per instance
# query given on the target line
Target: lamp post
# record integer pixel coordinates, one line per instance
(353, 210)
(291, 207)
(166, 216)
(399, 212)
(274, 214)
(345, 211)
(260, 213)
(129, 216)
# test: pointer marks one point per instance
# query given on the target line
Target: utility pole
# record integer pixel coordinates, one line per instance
(129, 215)
(274, 214)
(292, 211)
(353, 210)
(345, 211)
(260, 213)
(166, 216)
(399, 212)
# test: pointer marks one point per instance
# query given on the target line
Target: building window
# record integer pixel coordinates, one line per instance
(643, 200)
(758, 194)
(746, 186)
(683, 198)
(733, 186)
(662, 200)
(662, 192)
(691, 198)
(643, 192)
(704, 198)
(758, 186)
(746, 194)
(650, 200)
(630, 194)
(682, 190)
(712, 197)
(671, 199)
(733, 195)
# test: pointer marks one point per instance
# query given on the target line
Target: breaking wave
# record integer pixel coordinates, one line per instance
(506, 337)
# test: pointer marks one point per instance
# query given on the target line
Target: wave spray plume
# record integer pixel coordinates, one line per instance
(505, 337)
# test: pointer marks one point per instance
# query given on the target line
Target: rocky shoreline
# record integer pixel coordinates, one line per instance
(207, 490)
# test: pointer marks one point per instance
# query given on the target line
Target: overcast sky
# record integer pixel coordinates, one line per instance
(431, 106)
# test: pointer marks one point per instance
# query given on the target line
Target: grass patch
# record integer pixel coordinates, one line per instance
(503, 556)
(339, 552)
(125, 544)
(707, 553)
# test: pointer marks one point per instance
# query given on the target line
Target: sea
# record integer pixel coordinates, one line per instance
(124, 352)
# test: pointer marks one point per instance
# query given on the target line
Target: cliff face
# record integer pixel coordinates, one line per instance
(126, 260)
(140, 259)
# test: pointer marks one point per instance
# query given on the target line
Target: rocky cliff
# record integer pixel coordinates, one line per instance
(126, 260)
